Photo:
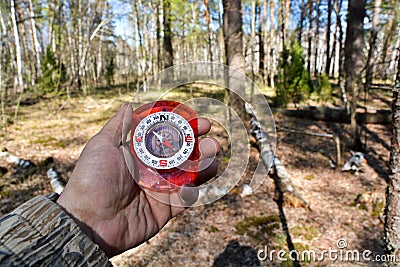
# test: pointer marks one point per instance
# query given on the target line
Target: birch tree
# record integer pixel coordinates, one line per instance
(372, 44)
(35, 41)
(390, 31)
(17, 43)
(272, 43)
(207, 17)
(337, 7)
(328, 39)
(316, 38)
(310, 34)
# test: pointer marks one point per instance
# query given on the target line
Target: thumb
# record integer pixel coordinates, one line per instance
(113, 130)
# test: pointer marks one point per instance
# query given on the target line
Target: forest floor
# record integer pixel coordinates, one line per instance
(230, 231)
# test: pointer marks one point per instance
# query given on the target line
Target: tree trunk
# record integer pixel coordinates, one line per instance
(221, 34)
(310, 34)
(10, 65)
(253, 37)
(17, 43)
(301, 23)
(80, 45)
(392, 216)
(333, 54)
(36, 46)
(316, 39)
(372, 44)
(272, 42)
(59, 34)
(3, 38)
(260, 43)
(181, 52)
(158, 36)
(338, 7)
(207, 18)
(354, 62)
(233, 34)
(390, 30)
(141, 54)
(267, 55)
(28, 67)
(83, 58)
(72, 64)
(281, 23)
(148, 43)
(287, 19)
(328, 39)
(210, 53)
(168, 52)
(50, 37)
(194, 26)
(99, 58)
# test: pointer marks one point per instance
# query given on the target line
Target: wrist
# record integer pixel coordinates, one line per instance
(86, 223)
(74, 215)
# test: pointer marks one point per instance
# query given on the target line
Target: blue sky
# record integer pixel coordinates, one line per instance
(123, 27)
(121, 13)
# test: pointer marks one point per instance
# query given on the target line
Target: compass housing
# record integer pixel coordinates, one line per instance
(164, 140)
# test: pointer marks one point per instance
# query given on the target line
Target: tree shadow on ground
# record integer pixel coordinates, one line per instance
(374, 158)
(377, 165)
(376, 138)
(382, 99)
(237, 255)
(280, 201)
(376, 246)
(321, 149)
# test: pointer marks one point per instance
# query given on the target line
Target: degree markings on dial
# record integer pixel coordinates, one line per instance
(177, 158)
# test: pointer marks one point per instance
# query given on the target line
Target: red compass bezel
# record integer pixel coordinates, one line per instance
(167, 179)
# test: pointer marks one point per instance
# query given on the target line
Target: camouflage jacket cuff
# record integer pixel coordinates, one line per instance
(39, 232)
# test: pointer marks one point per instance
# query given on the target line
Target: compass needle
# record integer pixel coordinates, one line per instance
(159, 137)
(168, 144)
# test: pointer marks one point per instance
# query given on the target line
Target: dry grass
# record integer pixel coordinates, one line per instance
(229, 231)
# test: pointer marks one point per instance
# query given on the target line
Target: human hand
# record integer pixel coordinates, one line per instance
(105, 201)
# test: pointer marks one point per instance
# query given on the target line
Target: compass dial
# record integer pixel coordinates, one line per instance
(163, 140)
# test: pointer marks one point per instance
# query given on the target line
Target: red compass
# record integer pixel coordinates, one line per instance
(165, 144)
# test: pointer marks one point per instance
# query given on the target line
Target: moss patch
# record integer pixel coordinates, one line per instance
(308, 233)
(49, 141)
(309, 177)
(261, 229)
(212, 229)
(378, 209)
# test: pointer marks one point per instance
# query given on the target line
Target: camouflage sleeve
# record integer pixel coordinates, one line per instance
(40, 233)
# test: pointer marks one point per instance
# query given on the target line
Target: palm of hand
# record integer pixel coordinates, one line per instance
(105, 201)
